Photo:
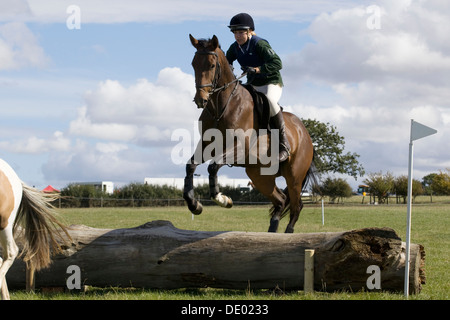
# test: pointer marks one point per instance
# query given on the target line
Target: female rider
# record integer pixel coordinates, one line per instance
(263, 66)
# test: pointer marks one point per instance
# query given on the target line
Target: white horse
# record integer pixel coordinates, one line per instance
(32, 209)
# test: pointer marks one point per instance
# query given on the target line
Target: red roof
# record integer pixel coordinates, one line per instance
(50, 189)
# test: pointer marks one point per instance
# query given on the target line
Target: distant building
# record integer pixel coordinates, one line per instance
(105, 186)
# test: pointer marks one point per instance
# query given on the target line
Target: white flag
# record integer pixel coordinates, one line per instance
(419, 131)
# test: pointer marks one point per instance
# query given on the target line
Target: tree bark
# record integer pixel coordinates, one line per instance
(158, 255)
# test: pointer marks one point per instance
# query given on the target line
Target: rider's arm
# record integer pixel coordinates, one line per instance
(272, 62)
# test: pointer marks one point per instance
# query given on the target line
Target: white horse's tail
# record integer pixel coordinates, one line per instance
(37, 216)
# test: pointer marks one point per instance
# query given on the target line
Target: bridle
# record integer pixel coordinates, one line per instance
(217, 73)
(213, 85)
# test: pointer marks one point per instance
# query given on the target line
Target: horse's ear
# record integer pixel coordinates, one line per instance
(215, 42)
(193, 41)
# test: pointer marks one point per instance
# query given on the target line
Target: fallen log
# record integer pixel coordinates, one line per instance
(158, 255)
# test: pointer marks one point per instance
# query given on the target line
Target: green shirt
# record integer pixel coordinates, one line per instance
(257, 54)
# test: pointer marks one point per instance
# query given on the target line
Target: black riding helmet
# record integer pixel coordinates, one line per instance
(242, 21)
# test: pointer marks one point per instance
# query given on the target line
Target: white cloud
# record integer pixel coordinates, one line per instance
(142, 112)
(83, 126)
(406, 54)
(123, 133)
(14, 10)
(110, 147)
(173, 11)
(380, 80)
(34, 145)
(19, 47)
(396, 67)
(92, 163)
(345, 50)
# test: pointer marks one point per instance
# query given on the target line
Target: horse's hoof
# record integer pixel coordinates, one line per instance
(289, 230)
(229, 203)
(223, 201)
(273, 225)
(198, 209)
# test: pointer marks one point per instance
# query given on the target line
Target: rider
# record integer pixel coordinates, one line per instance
(263, 66)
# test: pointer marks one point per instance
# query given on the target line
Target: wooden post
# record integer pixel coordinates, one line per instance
(309, 271)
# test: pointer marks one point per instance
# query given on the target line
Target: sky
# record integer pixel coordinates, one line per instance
(95, 90)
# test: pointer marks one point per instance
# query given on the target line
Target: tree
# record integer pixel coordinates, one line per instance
(142, 194)
(441, 183)
(380, 185)
(81, 195)
(401, 187)
(427, 181)
(329, 150)
(336, 188)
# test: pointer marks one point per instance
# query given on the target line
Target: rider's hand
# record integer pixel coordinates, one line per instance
(250, 70)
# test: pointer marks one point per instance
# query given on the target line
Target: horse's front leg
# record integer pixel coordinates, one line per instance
(188, 194)
(219, 198)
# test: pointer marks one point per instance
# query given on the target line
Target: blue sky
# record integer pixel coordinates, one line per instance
(101, 102)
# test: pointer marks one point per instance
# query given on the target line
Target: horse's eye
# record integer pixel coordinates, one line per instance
(213, 66)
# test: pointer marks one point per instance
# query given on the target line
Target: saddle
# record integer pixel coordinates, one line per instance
(261, 106)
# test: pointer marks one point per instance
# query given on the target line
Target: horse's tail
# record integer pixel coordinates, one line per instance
(311, 175)
(37, 216)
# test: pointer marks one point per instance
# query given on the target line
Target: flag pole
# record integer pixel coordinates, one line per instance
(408, 215)
(418, 131)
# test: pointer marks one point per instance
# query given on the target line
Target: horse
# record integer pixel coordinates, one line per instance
(228, 107)
(26, 209)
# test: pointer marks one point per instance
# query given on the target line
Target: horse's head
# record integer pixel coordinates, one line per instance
(206, 64)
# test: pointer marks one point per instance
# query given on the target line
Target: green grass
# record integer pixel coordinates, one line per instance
(430, 224)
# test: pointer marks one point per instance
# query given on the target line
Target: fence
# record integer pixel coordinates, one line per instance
(101, 202)
(95, 202)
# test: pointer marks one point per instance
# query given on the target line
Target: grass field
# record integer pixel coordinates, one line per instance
(430, 227)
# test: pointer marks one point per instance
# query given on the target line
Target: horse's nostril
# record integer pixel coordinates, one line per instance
(201, 103)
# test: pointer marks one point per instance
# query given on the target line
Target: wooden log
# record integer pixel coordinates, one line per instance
(158, 255)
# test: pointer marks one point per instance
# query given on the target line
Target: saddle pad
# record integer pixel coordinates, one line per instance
(261, 106)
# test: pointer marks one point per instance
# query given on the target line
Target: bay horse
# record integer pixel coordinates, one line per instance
(228, 108)
(31, 209)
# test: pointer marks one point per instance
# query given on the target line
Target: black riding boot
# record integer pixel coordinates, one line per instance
(278, 123)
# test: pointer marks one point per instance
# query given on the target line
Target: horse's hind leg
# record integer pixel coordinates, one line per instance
(214, 192)
(266, 185)
(279, 205)
(296, 204)
(10, 252)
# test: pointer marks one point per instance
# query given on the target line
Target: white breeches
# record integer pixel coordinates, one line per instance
(273, 93)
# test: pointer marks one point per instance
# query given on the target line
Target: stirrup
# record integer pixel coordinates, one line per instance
(283, 155)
